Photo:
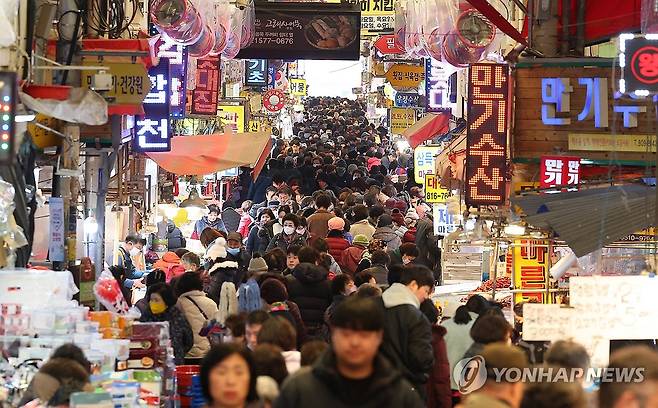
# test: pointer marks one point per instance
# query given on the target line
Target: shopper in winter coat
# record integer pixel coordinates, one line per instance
(341, 287)
(309, 288)
(212, 220)
(175, 237)
(259, 237)
(66, 372)
(336, 239)
(318, 223)
(221, 271)
(361, 224)
(162, 308)
(487, 329)
(351, 257)
(275, 295)
(289, 236)
(407, 333)
(439, 394)
(197, 309)
(386, 233)
(458, 338)
(351, 373)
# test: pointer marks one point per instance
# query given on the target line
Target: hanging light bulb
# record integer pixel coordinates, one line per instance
(194, 200)
(90, 225)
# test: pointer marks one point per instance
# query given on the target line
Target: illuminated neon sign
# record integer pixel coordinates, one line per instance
(256, 72)
(153, 130)
(208, 83)
(559, 171)
(638, 58)
(177, 56)
(486, 154)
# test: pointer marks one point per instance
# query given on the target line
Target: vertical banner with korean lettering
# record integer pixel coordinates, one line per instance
(153, 130)
(531, 259)
(256, 72)
(232, 117)
(443, 221)
(486, 154)
(208, 84)
(424, 161)
(298, 87)
(559, 171)
(57, 229)
(437, 86)
(177, 56)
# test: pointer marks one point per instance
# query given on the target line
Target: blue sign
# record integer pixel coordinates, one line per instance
(177, 56)
(256, 72)
(406, 99)
(153, 130)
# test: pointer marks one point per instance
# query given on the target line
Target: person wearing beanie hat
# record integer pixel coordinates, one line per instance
(386, 233)
(410, 219)
(336, 223)
(352, 168)
(257, 265)
(350, 258)
(275, 294)
(336, 240)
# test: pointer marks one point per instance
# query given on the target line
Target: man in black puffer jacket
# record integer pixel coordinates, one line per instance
(309, 287)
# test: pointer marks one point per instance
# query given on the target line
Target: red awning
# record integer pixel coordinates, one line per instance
(207, 154)
(431, 125)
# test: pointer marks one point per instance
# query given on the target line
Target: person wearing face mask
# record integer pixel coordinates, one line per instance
(124, 260)
(341, 287)
(236, 251)
(212, 220)
(405, 254)
(259, 235)
(162, 308)
(288, 236)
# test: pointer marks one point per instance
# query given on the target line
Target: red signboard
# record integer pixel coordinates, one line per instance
(386, 45)
(274, 100)
(486, 154)
(208, 83)
(559, 171)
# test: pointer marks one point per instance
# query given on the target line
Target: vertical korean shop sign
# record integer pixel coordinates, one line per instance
(531, 264)
(57, 229)
(437, 86)
(256, 72)
(153, 130)
(177, 56)
(424, 161)
(401, 119)
(486, 154)
(208, 83)
(559, 171)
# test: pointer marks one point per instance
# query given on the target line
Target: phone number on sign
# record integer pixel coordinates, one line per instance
(278, 41)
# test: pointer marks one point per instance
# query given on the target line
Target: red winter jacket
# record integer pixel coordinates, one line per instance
(409, 236)
(350, 259)
(336, 247)
(439, 394)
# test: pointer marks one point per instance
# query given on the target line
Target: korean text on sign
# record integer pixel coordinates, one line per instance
(256, 72)
(433, 191)
(486, 155)
(559, 171)
(205, 95)
(424, 161)
(444, 222)
(531, 262)
(152, 131)
(177, 56)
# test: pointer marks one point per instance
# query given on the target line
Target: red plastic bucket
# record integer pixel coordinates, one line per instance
(184, 376)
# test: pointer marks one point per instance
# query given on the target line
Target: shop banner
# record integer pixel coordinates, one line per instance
(405, 76)
(298, 87)
(232, 116)
(437, 86)
(293, 31)
(377, 17)
(386, 45)
(177, 56)
(406, 99)
(531, 269)
(57, 229)
(559, 171)
(402, 118)
(130, 82)
(208, 86)
(153, 130)
(256, 72)
(444, 222)
(639, 74)
(486, 153)
(424, 161)
(433, 191)
(604, 142)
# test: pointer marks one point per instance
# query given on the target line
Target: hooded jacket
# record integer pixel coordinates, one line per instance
(175, 237)
(223, 271)
(194, 310)
(407, 335)
(322, 386)
(350, 259)
(309, 288)
(389, 237)
(203, 223)
(318, 224)
(336, 247)
(438, 385)
(458, 340)
(56, 380)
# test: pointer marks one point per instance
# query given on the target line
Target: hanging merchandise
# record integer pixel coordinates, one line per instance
(439, 19)
(467, 42)
(11, 235)
(177, 19)
(234, 36)
(400, 29)
(108, 292)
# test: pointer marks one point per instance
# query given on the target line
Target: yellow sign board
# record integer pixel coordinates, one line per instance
(424, 161)
(433, 191)
(232, 116)
(401, 119)
(604, 142)
(254, 126)
(130, 82)
(531, 265)
(298, 87)
(377, 17)
(405, 76)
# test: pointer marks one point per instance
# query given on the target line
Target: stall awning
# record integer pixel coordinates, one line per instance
(207, 154)
(431, 125)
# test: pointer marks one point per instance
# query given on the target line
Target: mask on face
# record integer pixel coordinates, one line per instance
(134, 251)
(233, 251)
(157, 307)
(406, 261)
(288, 230)
(301, 231)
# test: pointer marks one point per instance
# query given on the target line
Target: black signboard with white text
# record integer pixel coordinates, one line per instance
(292, 31)
(256, 72)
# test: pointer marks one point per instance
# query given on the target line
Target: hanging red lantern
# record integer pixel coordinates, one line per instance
(466, 43)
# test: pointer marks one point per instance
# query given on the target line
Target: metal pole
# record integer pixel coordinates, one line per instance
(564, 43)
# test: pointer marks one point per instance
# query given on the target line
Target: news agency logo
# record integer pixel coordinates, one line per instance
(470, 374)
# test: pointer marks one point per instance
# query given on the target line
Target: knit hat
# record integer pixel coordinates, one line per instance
(336, 223)
(273, 290)
(352, 168)
(360, 239)
(257, 264)
(384, 220)
(397, 218)
(412, 214)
